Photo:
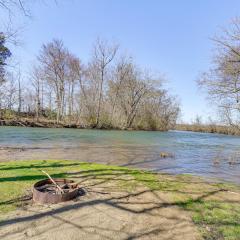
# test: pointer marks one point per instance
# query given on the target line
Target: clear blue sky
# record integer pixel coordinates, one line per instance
(171, 36)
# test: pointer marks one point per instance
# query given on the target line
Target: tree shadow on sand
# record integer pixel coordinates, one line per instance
(97, 181)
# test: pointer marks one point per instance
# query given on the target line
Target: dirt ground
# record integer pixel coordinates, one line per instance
(105, 211)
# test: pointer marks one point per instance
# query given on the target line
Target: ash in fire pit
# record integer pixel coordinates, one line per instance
(51, 188)
(55, 190)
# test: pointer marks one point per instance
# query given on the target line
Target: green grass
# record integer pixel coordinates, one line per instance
(213, 209)
(217, 220)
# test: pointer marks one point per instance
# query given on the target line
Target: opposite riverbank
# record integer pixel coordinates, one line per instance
(208, 128)
(42, 124)
(53, 124)
(204, 128)
(117, 201)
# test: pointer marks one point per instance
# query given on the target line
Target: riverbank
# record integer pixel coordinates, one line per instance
(52, 124)
(43, 123)
(117, 201)
(46, 123)
(208, 128)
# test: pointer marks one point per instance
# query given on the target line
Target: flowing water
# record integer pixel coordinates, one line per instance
(209, 155)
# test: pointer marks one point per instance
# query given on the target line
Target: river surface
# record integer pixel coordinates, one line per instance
(208, 155)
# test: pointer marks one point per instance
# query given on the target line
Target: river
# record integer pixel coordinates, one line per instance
(194, 153)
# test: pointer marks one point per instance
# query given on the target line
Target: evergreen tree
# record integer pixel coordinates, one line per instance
(4, 54)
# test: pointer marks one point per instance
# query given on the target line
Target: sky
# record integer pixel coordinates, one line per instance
(170, 37)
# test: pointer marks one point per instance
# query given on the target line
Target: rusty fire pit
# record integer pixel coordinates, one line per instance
(61, 190)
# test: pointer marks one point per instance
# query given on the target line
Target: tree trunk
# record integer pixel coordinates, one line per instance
(19, 97)
(100, 98)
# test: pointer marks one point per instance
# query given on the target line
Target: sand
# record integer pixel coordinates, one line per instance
(104, 212)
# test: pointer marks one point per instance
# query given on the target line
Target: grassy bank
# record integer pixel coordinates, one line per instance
(215, 208)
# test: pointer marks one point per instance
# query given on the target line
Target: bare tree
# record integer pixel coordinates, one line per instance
(10, 4)
(37, 83)
(9, 93)
(129, 89)
(74, 75)
(19, 93)
(121, 72)
(54, 57)
(103, 55)
(222, 81)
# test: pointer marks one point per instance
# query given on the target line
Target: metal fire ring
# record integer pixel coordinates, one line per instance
(47, 197)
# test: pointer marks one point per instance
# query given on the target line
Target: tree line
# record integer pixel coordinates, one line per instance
(112, 91)
(109, 91)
